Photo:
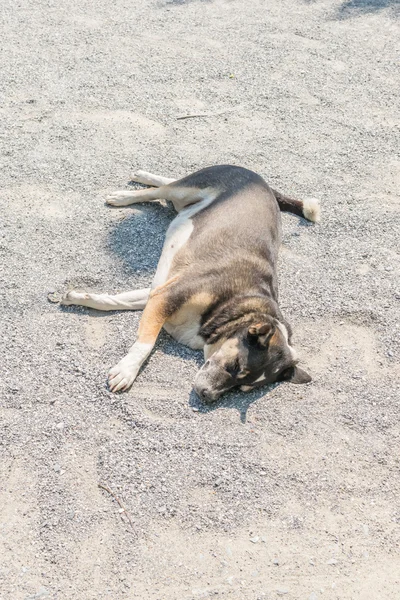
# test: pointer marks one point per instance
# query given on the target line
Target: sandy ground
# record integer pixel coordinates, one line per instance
(290, 492)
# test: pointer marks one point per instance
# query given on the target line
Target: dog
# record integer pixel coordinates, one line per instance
(215, 286)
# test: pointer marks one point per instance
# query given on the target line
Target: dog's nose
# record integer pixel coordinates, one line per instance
(203, 393)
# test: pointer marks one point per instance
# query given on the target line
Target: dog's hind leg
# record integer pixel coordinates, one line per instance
(150, 179)
(181, 195)
(127, 197)
(135, 300)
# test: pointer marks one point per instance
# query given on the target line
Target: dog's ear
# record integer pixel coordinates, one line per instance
(260, 334)
(295, 375)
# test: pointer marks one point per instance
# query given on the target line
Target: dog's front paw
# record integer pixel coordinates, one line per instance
(122, 376)
(73, 297)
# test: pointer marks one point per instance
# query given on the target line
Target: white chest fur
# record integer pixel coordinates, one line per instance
(186, 333)
(184, 325)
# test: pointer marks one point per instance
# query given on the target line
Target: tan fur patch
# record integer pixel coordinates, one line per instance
(192, 309)
(229, 349)
(184, 324)
(210, 349)
(161, 288)
(154, 316)
(280, 339)
(202, 300)
(276, 339)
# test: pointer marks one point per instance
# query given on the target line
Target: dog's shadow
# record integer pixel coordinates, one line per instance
(240, 401)
(138, 239)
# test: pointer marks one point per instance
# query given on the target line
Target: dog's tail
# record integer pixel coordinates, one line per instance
(309, 208)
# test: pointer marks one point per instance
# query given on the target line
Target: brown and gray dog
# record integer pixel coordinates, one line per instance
(215, 287)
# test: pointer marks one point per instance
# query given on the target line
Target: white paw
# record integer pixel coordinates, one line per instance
(123, 374)
(138, 176)
(73, 297)
(119, 198)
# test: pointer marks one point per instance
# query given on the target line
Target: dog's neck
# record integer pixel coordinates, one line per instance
(234, 314)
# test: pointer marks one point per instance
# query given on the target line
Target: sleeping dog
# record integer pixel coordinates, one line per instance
(215, 287)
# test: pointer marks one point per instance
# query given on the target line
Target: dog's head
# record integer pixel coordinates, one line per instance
(253, 356)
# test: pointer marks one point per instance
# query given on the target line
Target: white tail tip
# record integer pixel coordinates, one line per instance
(312, 210)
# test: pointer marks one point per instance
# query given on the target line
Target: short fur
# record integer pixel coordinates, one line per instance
(217, 280)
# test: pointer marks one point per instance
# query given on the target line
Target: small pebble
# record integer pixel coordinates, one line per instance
(255, 539)
(53, 297)
(331, 561)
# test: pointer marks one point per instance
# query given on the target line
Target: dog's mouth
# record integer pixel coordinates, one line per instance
(211, 382)
(206, 395)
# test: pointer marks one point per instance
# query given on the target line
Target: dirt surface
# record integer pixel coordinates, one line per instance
(288, 492)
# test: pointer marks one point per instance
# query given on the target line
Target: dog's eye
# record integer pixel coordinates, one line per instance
(243, 373)
(233, 369)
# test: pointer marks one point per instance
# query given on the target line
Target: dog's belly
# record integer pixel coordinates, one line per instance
(177, 236)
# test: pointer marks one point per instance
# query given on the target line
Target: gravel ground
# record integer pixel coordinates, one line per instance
(288, 492)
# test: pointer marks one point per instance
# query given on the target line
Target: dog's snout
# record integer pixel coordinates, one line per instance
(207, 383)
(204, 393)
